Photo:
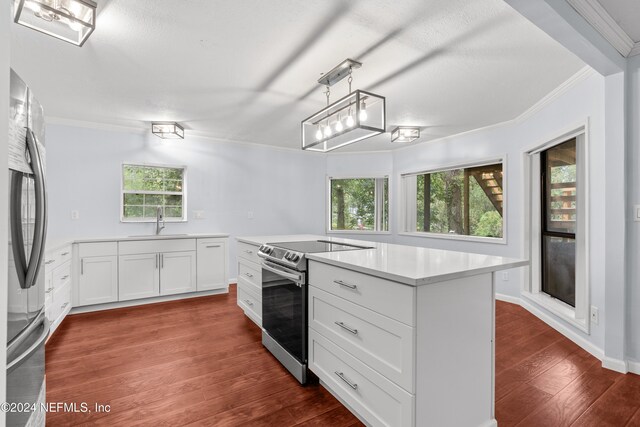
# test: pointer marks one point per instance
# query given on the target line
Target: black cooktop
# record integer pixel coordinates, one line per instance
(316, 246)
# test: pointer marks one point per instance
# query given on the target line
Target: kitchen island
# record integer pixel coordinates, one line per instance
(402, 335)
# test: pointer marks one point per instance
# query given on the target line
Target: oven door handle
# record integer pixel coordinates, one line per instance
(296, 277)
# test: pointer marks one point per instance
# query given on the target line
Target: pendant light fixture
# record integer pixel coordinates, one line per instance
(357, 116)
(70, 20)
(405, 134)
(167, 130)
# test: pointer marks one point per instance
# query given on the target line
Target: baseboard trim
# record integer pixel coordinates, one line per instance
(233, 281)
(607, 362)
(145, 301)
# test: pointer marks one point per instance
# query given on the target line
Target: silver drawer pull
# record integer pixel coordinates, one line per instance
(248, 274)
(346, 328)
(248, 251)
(248, 302)
(349, 383)
(345, 284)
(213, 246)
(48, 290)
(64, 305)
(64, 277)
(64, 254)
(50, 261)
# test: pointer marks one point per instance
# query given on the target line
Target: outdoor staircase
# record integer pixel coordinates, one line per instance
(490, 180)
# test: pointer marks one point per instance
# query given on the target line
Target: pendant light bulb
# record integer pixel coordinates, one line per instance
(363, 112)
(318, 134)
(339, 126)
(327, 130)
(349, 121)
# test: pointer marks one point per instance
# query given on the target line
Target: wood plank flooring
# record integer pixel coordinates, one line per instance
(201, 362)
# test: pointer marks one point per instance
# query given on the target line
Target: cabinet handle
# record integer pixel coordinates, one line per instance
(161, 260)
(49, 262)
(347, 328)
(345, 284)
(248, 274)
(48, 290)
(248, 302)
(64, 277)
(248, 251)
(64, 305)
(64, 254)
(213, 246)
(82, 266)
(349, 383)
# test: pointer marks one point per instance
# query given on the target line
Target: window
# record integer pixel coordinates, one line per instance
(145, 188)
(464, 201)
(559, 213)
(359, 204)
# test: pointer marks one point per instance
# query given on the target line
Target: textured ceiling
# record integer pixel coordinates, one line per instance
(246, 70)
(627, 14)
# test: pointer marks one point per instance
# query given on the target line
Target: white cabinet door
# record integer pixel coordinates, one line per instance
(98, 282)
(212, 264)
(177, 272)
(139, 276)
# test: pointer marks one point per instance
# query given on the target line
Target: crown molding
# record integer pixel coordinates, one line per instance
(596, 15)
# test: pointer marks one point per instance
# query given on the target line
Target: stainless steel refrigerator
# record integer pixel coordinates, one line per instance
(27, 325)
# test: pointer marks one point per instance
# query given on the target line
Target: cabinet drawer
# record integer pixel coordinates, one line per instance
(60, 301)
(384, 344)
(248, 252)
(156, 245)
(61, 275)
(97, 249)
(373, 397)
(251, 273)
(391, 299)
(250, 304)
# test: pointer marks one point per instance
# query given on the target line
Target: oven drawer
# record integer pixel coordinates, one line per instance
(250, 273)
(373, 397)
(384, 344)
(250, 303)
(392, 299)
(248, 252)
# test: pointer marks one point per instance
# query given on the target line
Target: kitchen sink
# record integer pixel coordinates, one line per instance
(158, 236)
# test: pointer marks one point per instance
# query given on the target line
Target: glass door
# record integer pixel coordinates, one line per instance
(559, 215)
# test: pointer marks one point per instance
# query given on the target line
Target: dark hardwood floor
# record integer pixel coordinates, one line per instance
(200, 362)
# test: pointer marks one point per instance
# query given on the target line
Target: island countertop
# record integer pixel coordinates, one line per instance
(410, 265)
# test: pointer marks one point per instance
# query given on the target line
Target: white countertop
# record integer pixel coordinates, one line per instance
(57, 244)
(410, 265)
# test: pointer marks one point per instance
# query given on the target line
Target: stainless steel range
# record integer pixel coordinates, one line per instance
(284, 299)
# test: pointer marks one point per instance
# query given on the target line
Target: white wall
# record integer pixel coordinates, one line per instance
(5, 13)
(583, 101)
(633, 232)
(283, 188)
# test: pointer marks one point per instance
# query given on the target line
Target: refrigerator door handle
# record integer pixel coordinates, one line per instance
(40, 232)
(19, 339)
(17, 233)
(15, 363)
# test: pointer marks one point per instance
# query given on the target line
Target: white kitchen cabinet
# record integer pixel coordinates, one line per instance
(98, 281)
(177, 272)
(212, 264)
(138, 276)
(57, 290)
(249, 297)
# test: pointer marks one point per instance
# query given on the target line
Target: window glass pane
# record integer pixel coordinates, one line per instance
(461, 201)
(154, 199)
(165, 185)
(173, 200)
(559, 268)
(353, 204)
(134, 199)
(133, 211)
(173, 212)
(561, 188)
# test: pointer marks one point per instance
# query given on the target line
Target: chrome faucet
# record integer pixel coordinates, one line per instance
(159, 219)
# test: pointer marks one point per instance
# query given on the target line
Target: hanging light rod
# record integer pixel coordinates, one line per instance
(339, 72)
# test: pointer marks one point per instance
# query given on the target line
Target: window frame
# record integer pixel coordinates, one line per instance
(578, 316)
(407, 225)
(153, 165)
(329, 230)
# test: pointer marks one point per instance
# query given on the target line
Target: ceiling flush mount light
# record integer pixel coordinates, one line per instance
(69, 20)
(357, 116)
(167, 130)
(405, 134)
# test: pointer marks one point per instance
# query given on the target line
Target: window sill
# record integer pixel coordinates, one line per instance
(558, 308)
(492, 240)
(145, 221)
(357, 232)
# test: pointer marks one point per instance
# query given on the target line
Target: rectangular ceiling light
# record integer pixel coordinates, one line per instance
(355, 117)
(167, 130)
(405, 134)
(70, 20)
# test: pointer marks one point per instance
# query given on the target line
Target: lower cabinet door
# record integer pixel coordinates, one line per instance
(177, 272)
(139, 276)
(98, 282)
(212, 264)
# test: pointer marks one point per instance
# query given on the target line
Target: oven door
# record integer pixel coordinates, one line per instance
(284, 316)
